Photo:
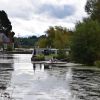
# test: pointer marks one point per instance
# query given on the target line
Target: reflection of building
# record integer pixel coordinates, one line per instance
(6, 42)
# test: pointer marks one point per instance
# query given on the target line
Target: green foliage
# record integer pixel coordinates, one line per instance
(56, 37)
(61, 55)
(93, 9)
(97, 63)
(85, 47)
(60, 37)
(90, 5)
(25, 41)
(5, 24)
(9, 48)
(38, 58)
(50, 36)
(42, 41)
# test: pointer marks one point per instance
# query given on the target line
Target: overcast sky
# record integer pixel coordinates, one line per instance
(33, 17)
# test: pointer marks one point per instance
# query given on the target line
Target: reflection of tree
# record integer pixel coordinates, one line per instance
(5, 76)
(34, 67)
(6, 56)
(38, 67)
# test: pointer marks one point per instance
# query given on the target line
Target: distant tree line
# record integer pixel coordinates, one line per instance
(25, 42)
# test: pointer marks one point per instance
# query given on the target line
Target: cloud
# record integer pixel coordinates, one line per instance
(29, 17)
(57, 11)
(22, 9)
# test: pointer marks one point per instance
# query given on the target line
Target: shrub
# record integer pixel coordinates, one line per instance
(97, 63)
(85, 45)
(38, 58)
(9, 48)
(62, 55)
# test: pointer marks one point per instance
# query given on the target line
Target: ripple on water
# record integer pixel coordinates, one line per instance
(86, 84)
(23, 82)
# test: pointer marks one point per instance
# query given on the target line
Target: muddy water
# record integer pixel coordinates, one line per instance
(21, 80)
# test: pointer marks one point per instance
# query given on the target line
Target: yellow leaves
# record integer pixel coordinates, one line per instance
(56, 37)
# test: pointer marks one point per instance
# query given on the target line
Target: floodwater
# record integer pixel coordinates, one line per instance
(22, 80)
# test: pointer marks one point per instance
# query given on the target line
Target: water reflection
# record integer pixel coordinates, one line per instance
(67, 83)
(26, 81)
(5, 78)
(86, 84)
(6, 58)
(38, 67)
(50, 84)
(34, 67)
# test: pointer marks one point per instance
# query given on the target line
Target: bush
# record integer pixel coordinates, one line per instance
(62, 55)
(85, 45)
(9, 48)
(97, 63)
(38, 58)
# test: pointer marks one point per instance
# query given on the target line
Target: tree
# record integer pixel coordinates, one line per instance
(5, 24)
(11, 36)
(42, 42)
(57, 37)
(50, 33)
(85, 47)
(93, 9)
(25, 41)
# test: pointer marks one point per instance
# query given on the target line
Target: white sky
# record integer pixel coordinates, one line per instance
(33, 17)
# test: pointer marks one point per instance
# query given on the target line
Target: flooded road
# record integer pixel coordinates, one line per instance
(22, 80)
